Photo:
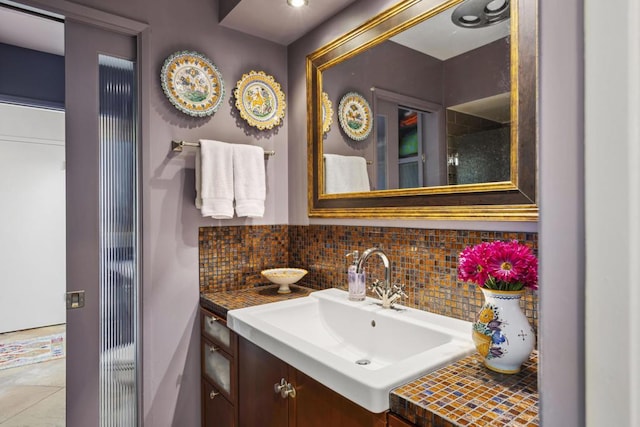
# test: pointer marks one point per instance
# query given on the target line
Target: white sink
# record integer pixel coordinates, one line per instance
(327, 337)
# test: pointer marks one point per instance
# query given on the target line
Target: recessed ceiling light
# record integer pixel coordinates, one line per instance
(480, 13)
(297, 3)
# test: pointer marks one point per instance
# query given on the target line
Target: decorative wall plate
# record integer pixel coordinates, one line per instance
(260, 100)
(354, 114)
(327, 113)
(192, 83)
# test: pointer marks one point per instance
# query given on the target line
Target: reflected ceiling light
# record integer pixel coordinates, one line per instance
(297, 3)
(481, 13)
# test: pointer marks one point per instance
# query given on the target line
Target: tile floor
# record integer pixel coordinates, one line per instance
(33, 395)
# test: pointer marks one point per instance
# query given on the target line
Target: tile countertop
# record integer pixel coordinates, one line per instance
(466, 393)
(221, 302)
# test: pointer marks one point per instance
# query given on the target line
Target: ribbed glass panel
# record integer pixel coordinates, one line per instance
(381, 152)
(119, 243)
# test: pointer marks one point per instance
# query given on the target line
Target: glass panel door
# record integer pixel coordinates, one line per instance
(103, 344)
(410, 148)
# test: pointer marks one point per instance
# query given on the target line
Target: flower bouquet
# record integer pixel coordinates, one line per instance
(501, 266)
(502, 270)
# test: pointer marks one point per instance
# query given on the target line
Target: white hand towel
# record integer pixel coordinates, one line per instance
(345, 174)
(198, 180)
(214, 175)
(249, 180)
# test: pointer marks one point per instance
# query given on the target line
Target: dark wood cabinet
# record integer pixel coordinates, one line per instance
(219, 372)
(216, 410)
(396, 421)
(309, 404)
(316, 405)
(259, 372)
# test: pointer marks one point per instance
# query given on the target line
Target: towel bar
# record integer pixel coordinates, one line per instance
(179, 145)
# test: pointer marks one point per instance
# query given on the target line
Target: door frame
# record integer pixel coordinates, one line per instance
(141, 32)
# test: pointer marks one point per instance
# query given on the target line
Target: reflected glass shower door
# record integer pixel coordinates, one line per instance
(119, 243)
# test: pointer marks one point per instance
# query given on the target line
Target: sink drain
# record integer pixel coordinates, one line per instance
(363, 362)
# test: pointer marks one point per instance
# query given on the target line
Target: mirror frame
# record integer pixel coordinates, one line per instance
(513, 200)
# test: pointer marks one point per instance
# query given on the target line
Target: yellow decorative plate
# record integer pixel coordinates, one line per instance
(354, 113)
(327, 113)
(260, 100)
(192, 83)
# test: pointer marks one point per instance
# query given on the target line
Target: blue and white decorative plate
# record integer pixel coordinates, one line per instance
(354, 114)
(192, 83)
(260, 100)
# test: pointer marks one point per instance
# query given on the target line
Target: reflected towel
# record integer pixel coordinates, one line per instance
(345, 174)
(214, 179)
(249, 180)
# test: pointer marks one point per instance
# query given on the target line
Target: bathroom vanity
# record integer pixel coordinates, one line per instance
(246, 385)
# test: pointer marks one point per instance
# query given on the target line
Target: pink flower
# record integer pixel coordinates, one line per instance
(506, 261)
(530, 277)
(473, 264)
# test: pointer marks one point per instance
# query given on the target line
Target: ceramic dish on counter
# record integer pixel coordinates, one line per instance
(284, 277)
(192, 83)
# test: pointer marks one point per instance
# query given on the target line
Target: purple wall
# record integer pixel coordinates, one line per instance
(477, 74)
(562, 217)
(171, 360)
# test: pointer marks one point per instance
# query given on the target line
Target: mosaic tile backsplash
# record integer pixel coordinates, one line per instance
(425, 260)
(232, 258)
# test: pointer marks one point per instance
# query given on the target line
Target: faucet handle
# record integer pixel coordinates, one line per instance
(378, 287)
(399, 290)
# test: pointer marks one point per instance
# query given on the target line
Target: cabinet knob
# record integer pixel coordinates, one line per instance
(278, 387)
(213, 394)
(285, 389)
(213, 349)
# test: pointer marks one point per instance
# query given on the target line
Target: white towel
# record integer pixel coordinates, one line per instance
(345, 174)
(214, 179)
(249, 180)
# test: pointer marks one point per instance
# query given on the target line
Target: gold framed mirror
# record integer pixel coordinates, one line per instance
(435, 172)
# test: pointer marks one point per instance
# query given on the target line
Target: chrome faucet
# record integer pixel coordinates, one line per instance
(386, 292)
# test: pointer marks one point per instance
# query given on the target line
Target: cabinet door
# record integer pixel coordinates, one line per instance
(215, 329)
(217, 411)
(396, 421)
(259, 371)
(218, 368)
(318, 406)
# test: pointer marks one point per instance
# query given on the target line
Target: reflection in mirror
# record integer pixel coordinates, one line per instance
(453, 114)
(440, 95)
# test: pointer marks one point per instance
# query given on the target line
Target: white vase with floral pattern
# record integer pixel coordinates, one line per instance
(502, 334)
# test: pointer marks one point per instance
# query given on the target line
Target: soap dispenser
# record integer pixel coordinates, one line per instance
(357, 285)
